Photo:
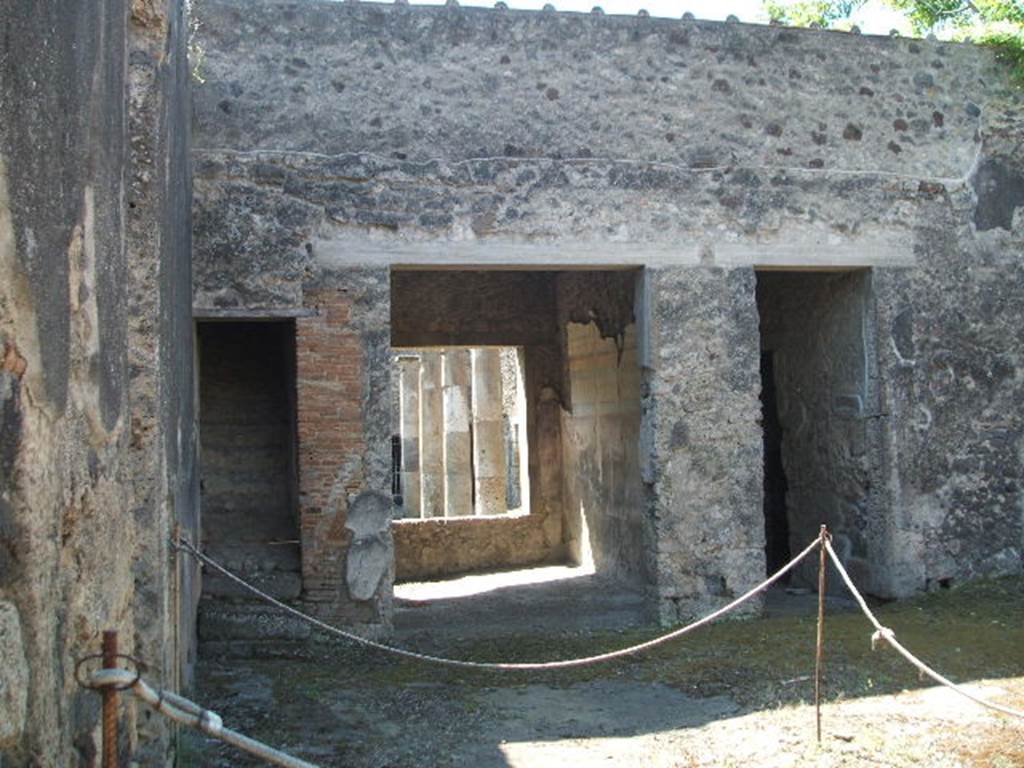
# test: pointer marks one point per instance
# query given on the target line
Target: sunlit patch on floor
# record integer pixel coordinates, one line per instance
(479, 583)
(912, 728)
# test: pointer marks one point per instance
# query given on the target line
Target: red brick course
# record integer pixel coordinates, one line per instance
(330, 386)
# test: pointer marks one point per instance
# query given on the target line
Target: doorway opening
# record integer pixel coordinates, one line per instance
(544, 366)
(248, 487)
(818, 389)
(776, 523)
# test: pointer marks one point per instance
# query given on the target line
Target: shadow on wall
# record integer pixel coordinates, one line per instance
(601, 436)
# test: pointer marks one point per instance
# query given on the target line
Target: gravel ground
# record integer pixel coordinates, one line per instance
(737, 694)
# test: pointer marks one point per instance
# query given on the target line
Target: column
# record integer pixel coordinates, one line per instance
(488, 433)
(522, 426)
(409, 394)
(458, 468)
(431, 434)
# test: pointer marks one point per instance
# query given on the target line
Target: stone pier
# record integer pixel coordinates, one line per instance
(431, 435)
(409, 389)
(488, 433)
(458, 466)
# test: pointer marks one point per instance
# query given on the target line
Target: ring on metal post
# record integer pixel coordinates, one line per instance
(140, 667)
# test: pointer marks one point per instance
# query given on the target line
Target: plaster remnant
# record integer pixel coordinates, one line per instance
(85, 336)
(17, 315)
(370, 553)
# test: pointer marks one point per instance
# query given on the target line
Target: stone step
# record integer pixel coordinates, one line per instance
(222, 526)
(255, 483)
(283, 585)
(254, 556)
(274, 569)
(224, 621)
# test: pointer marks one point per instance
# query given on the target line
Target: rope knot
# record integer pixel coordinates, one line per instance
(884, 633)
(211, 723)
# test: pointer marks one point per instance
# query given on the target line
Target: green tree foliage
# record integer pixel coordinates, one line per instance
(1009, 47)
(804, 13)
(925, 15)
(996, 23)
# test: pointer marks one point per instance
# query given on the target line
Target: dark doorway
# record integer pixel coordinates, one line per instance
(247, 439)
(819, 396)
(776, 524)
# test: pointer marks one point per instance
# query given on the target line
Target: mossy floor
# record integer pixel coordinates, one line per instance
(738, 692)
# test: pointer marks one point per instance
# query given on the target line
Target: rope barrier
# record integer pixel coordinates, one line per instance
(188, 713)
(181, 710)
(187, 547)
(885, 633)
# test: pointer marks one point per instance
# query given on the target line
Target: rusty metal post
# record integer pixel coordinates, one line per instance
(820, 651)
(109, 702)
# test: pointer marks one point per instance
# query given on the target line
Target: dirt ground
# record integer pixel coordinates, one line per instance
(737, 693)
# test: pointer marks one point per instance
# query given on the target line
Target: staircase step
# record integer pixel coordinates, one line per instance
(220, 620)
(283, 585)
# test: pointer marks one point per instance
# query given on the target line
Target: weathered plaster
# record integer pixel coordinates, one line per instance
(84, 435)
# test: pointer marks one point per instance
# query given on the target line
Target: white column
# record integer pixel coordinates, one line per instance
(458, 468)
(431, 434)
(489, 465)
(409, 385)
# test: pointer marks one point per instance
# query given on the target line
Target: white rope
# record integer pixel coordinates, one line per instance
(186, 546)
(186, 712)
(884, 633)
(181, 710)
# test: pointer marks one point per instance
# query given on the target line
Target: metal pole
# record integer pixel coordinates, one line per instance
(820, 652)
(109, 702)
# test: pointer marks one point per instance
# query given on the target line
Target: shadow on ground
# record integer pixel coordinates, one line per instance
(723, 696)
(549, 600)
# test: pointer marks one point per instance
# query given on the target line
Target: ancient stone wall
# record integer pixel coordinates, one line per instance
(426, 549)
(472, 308)
(97, 452)
(336, 135)
(950, 360)
(701, 432)
(160, 341)
(379, 128)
